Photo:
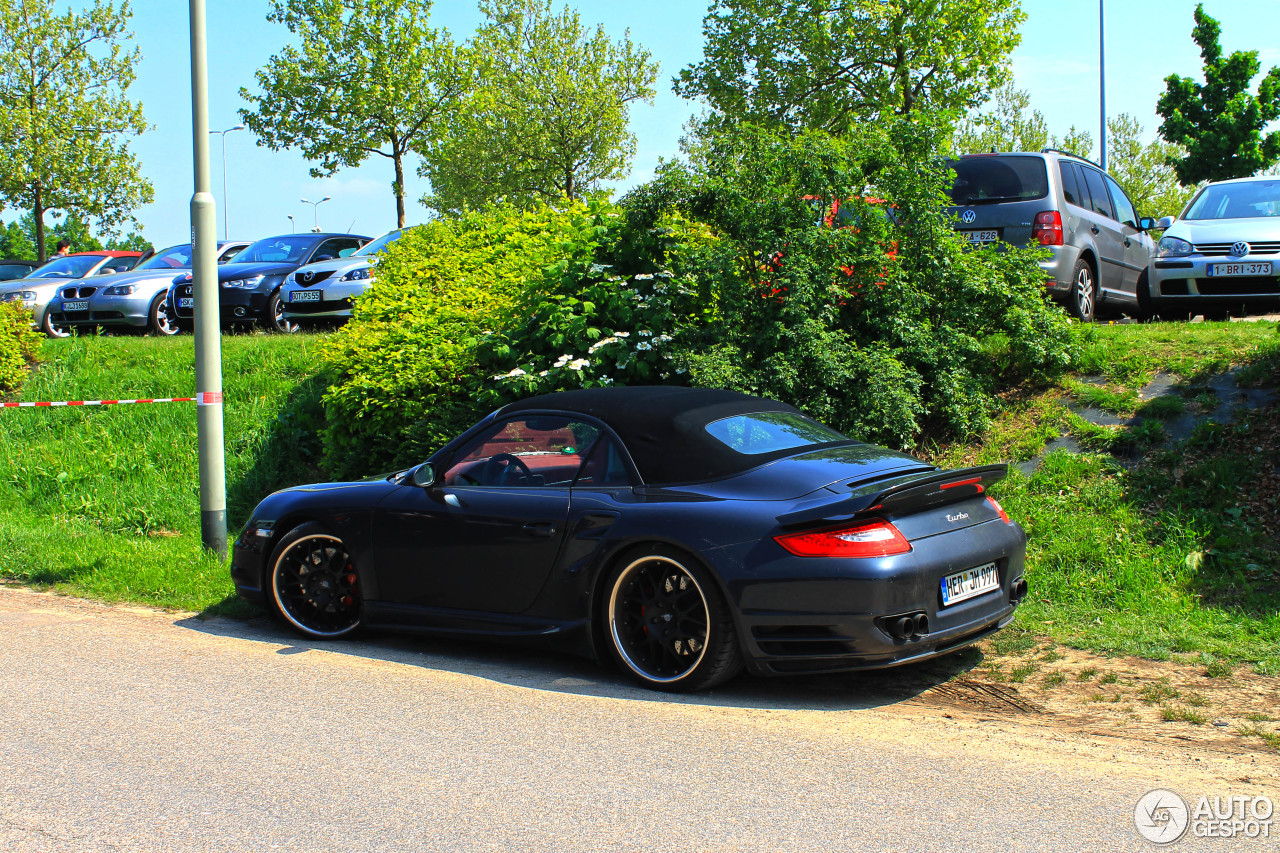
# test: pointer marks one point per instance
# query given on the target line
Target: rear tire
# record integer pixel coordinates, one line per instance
(159, 321)
(1084, 292)
(666, 623)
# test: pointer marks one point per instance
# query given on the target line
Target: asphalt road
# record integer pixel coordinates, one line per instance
(128, 729)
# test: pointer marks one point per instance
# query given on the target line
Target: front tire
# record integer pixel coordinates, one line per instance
(159, 321)
(314, 584)
(275, 320)
(666, 623)
(1084, 292)
(52, 329)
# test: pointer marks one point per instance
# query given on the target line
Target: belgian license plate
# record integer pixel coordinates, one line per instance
(186, 301)
(82, 305)
(989, 236)
(970, 583)
(306, 296)
(1246, 268)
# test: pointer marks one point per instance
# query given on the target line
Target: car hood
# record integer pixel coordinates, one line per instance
(231, 272)
(35, 283)
(1253, 229)
(166, 276)
(335, 265)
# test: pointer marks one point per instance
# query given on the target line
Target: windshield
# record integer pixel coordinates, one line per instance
(767, 432)
(381, 243)
(1243, 200)
(1004, 178)
(76, 266)
(12, 271)
(289, 248)
(173, 258)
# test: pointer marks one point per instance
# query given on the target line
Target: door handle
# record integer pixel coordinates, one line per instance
(1094, 229)
(540, 528)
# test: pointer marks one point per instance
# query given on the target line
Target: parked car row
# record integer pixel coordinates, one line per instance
(1218, 256)
(278, 282)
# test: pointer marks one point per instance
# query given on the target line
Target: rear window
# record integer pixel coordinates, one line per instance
(986, 180)
(769, 432)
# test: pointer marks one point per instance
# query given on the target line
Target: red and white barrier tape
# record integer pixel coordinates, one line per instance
(204, 398)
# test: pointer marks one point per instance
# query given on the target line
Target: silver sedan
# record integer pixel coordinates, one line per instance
(327, 290)
(1222, 255)
(135, 299)
(78, 273)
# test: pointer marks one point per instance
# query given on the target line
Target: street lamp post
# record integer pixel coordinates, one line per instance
(315, 209)
(293, 226)
(223, 134)
(1102, 78)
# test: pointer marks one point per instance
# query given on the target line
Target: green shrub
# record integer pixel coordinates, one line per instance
(405, 364)
(18, 344)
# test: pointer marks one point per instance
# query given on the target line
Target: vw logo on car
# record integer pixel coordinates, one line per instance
(968, 216)
(1240, 249)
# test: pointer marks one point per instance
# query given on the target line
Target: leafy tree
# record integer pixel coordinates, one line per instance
(1009, 124)
(15, 243)
(72, 228)
(370, 78)
(1220, 123)
(132, 242)
(548, 117)
(830, 64)
(64, 113)
(1145, 171)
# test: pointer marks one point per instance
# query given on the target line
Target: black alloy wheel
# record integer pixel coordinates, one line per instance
(667, 624)
(159, 321)
(275, 319)
(314, 584)
(1084, 292)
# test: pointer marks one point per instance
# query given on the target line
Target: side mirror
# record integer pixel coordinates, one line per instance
(424, 475)
(1164, 222)
(1146, 223)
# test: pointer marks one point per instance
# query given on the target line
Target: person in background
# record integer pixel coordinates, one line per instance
(64, 248)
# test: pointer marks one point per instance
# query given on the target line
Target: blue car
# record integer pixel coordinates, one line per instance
(680, 534)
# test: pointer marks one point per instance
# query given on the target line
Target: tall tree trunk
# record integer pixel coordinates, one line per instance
(568, 183)
(399, 187)
(37, 213)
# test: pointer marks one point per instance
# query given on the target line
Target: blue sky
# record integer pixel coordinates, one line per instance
(1057, 63)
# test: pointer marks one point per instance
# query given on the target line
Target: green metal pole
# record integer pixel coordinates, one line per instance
(213, 475)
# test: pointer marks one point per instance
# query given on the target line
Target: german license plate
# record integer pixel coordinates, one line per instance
(306, 296)
(989, 236)
(186, 301)
(970, 583)
(1246, 268)
(82, 305)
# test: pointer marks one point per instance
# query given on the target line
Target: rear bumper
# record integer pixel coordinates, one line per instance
(806, 615)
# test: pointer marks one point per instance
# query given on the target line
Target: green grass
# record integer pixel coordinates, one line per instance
(1271, 739)
(1178, 714)
(104, 501)
(1128, 356)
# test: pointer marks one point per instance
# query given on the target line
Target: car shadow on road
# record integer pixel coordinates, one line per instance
(538, 668)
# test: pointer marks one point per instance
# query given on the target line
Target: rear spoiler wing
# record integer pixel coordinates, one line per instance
(914, 492)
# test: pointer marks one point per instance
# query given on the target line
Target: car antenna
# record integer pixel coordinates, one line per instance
(351, 227)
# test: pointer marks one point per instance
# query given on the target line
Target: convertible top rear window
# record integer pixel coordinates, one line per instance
(769, 432)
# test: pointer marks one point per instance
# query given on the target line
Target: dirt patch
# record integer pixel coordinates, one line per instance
(1177, 702)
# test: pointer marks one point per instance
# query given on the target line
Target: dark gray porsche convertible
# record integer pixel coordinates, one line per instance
(681, 533)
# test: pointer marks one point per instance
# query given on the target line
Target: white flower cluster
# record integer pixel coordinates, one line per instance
(511, 375)
(574, 364)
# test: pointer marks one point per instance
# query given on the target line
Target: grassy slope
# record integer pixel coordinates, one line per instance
(1165, 558)
(104, 501)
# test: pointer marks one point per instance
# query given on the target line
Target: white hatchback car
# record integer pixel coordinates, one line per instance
(326, 290)
(1222, 254)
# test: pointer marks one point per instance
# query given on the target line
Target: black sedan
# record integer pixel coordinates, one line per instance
(681, 533)
(249, 285)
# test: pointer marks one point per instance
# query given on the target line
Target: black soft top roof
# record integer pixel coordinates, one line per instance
(664, 427)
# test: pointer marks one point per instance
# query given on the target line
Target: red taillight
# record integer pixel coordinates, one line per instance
(1004, 516)
(1047, 230)
(877, 538)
